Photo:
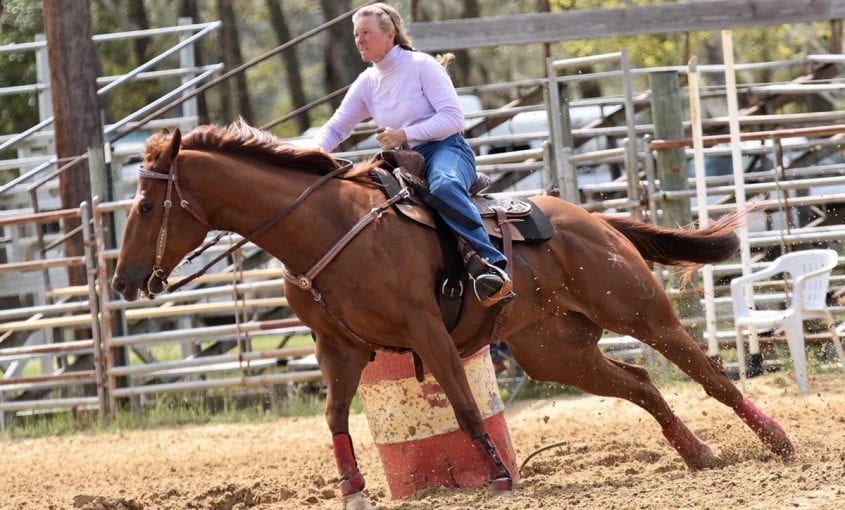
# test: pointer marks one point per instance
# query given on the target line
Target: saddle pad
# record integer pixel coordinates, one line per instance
(530, 226)
(533, 228)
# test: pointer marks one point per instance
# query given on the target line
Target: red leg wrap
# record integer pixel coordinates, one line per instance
(351, 480)
(500, 477)
(694, 451)
(766, 429)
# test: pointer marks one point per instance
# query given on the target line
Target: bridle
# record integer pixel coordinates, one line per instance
(161, 243)
(158, 272)
(304, 281)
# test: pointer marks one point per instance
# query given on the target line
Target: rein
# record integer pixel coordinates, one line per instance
(305, 281)
(172, 183)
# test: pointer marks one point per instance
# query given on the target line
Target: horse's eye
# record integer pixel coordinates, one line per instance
(146, 207)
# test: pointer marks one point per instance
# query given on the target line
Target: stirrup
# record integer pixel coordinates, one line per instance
(492, 285)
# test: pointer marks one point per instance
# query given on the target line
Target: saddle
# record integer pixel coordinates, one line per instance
(393, 168)
(505, 219)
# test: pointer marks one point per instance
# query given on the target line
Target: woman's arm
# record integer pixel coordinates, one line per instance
(352, 110)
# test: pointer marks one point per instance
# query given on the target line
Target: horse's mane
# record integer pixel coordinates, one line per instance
(239, 138)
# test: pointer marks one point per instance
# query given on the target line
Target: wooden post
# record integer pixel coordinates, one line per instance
(99, 174)
(561, 137)
(76, 112)
(667, 112)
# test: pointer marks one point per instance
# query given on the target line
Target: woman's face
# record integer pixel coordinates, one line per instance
(372, 43)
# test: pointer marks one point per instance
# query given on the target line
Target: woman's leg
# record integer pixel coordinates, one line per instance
(450, 171)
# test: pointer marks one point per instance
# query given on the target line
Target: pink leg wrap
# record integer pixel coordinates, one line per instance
(766, 428)
(694, 451)
(500, 477)
(351, 480)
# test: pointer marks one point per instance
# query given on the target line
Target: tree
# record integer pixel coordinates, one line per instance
(130, 15)
(463, 62)
(291, 61)
(118, 59)
(235, 97)
(331, 62)
(76, 111)
(343, 63)
(190, 9)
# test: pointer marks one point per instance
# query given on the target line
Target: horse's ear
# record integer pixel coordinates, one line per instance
(168, 147)
(175, 143)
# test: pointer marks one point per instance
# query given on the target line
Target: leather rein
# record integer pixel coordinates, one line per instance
(304, 281)
(173, 184)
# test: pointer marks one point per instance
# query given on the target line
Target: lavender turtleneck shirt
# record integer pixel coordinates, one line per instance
(406, 89)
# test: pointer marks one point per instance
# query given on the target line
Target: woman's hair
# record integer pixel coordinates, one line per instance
(387, 17)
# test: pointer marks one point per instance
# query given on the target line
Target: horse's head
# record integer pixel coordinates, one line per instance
(162, 227)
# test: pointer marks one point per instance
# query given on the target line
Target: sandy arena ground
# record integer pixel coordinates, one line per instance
(614, 457)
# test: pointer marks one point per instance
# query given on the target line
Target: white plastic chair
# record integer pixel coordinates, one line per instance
(810, 271)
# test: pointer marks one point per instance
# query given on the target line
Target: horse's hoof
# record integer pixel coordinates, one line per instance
(502, 486)
(786, 450)
(695, 452)
(356, 501)
(778, 443)
(705, 459)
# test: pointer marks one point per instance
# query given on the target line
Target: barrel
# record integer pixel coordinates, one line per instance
(415, 430)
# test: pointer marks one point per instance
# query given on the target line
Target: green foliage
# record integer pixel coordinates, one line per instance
(59, 424)
(773, 43)
(20, 20)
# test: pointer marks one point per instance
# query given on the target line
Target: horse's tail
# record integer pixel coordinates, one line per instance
(680, 247)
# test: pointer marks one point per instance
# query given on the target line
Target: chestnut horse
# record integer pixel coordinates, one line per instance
(377, 292)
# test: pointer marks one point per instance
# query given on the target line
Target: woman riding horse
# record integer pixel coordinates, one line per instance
(372, 294)
(411, 98)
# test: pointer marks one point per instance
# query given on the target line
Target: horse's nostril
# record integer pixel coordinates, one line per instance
(118, 283)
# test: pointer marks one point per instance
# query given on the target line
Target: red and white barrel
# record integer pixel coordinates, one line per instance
(415, 430)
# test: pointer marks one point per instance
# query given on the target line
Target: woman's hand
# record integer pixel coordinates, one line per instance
(391, 138)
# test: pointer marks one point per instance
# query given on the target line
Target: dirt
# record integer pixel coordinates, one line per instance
(610, 455)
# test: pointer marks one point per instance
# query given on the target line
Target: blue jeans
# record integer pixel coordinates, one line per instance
(450, 171)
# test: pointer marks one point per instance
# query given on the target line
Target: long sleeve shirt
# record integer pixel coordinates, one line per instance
(406, 89)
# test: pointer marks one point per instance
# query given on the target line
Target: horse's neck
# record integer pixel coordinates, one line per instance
(247, 199)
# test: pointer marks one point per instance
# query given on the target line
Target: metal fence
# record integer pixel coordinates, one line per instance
(92, 310)
(125, 337)
(80, 348)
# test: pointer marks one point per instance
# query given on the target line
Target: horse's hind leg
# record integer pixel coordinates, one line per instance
(675, 343)
(341, 367)
(649, 316)
(695, 452)
(579, 362)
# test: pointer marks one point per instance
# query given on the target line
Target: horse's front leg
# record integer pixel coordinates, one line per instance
(341, 365)
(437, 351)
